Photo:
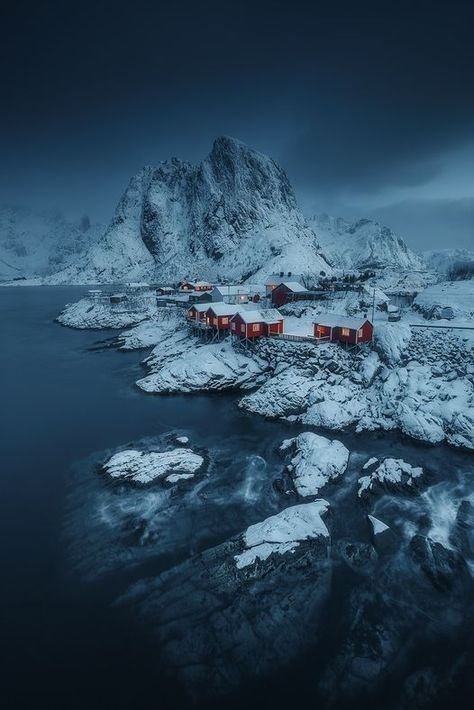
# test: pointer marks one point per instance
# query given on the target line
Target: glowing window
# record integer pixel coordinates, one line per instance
(360, 333)
(225, 321)
(255, 327)
(345, 331)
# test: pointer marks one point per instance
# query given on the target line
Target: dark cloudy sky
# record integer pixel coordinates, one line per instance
(368, 106)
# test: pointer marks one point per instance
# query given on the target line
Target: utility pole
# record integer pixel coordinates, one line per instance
(373, 311)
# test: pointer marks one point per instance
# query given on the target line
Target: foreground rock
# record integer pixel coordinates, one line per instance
(394, 474)
(198, 367)
(218, 615)
(283, 532)
(144, 467)
(317, 461)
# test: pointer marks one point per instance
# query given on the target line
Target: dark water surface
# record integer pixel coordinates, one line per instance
(64, 406)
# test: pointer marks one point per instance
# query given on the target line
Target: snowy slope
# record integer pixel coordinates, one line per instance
(40, 243)
(443, 259)
(234, 215)
(363, 244)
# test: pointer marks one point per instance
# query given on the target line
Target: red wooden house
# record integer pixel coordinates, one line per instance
(344, 329)
(195, 286)
(197, 312)
(256, 323)
(286, 292)
(218, 315)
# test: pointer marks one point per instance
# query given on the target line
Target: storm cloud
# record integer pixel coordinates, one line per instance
(355, 100)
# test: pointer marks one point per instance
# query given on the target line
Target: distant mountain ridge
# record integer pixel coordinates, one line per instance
(362, 244)
(40, 243)
(234, 216)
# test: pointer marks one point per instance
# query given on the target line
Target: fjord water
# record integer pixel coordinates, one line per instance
(66, 401)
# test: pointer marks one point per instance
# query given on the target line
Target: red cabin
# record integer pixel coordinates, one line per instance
(219, 315)
(286, 292)
(344, 329)
(255, 324)
(197, 312)
(195, 286)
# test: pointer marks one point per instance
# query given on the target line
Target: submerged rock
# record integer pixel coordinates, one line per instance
(443, 567)
(245, 607)
(316, 461)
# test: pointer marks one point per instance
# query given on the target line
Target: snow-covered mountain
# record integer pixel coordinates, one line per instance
(232, 216)
(363, 244)
(40, 243)
(443, 260)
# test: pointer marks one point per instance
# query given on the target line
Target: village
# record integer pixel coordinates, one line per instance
(248, 312)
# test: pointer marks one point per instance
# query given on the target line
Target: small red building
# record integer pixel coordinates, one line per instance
(256, 323)
(344, 329)
(195, 286)
(286, 292)
(219, 315)
(197, 312)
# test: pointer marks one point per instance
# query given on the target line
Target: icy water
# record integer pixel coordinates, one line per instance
(72, 545)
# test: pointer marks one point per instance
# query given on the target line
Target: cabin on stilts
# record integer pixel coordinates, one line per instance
(250, 324)
(344, 329)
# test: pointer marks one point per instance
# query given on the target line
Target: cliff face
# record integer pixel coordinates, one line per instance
(234, 215)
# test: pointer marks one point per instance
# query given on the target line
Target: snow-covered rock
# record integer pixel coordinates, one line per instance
(212, 367)
(146, 466)
(363, 244)
(89, 313)
(233, 215)
(391, 340)
(182, 439)
(391, 473)
(316, 461)
(283, 532)
(378, 526)
(216, 615)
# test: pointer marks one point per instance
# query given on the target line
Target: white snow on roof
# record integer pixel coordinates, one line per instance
(336, 321)
(200, 307)
(232, 290)
(223, 309)
(294, 286)
(268, 315)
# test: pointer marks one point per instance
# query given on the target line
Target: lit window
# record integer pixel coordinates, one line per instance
(360, 333)
(225, 321)
(345, 331)
(256, 327)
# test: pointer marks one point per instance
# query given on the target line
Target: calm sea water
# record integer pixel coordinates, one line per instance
(64, 404)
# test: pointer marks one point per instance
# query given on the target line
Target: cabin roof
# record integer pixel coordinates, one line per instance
(222, 309)
(268, 315)
(333, 320)
(293, 286)
(232, 290)
(200, 307)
